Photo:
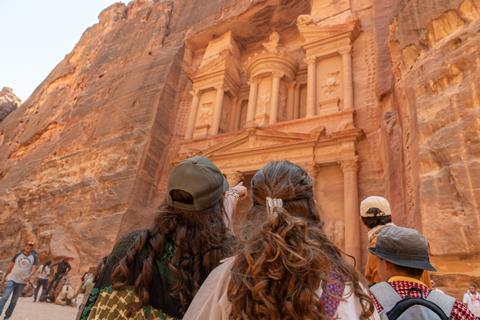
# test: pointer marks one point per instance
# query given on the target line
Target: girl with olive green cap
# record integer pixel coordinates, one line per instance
(154, 273)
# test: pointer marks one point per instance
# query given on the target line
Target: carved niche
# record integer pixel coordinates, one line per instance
(216, 81)
(270, 71)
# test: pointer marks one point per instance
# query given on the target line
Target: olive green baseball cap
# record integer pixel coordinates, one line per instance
(199, 177)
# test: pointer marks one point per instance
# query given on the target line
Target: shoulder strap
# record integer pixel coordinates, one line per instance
(444, 301)
(386, 296)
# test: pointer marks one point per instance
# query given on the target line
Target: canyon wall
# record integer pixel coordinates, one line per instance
(434, 99)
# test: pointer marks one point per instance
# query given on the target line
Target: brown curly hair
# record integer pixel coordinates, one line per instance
(284, 261)
(201, 239)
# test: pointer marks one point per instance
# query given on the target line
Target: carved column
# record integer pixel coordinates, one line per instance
(235, 119)
(296, 103)
(252, 101)
(291, 101)
(311, 86)
(217, 111)
(193, 115)
(275, 97)
(347, 77)
(351, 209)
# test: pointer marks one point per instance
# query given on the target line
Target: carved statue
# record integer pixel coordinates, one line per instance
(335, 231)
(331, 83)
(272, 44)
(264, 103)
(205, 114)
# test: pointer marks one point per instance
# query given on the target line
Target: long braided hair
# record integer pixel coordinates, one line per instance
(288, 256)
(200, 239)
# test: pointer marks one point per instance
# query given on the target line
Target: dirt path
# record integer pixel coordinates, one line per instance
(28, 310)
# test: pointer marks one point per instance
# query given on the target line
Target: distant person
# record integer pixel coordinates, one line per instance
(18, 273)
(63, 268)
(42, 281)
(472, 299)
(287, 267)
(433, 286)
(155, 273)
(402, 257)
(376, 215)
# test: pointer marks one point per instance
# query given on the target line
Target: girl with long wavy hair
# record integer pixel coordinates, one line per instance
(286, 268)
(154, 274)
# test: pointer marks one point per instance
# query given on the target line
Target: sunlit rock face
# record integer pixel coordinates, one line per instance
(369, 96)
(8, 102)
(435, 64)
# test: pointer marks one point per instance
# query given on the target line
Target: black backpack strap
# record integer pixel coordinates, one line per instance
(409, 302)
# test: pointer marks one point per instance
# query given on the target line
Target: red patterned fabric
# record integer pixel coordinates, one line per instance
(459, 311)
(332, 295)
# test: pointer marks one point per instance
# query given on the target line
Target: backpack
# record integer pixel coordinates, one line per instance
(436, 305)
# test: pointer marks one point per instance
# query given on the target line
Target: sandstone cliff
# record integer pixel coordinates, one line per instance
(87, 146)
(432, 123)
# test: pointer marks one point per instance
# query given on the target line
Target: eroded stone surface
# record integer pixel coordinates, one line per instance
(436, 101)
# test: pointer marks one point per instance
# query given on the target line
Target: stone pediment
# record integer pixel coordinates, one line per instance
(257, 139)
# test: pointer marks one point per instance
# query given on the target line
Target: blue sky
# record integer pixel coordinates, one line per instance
(35, 35)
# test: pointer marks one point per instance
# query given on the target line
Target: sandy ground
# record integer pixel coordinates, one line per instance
(26, 309)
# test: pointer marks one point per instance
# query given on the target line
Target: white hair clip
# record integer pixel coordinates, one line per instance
(273, 203)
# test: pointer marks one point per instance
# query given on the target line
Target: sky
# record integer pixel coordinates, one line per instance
(35, 35)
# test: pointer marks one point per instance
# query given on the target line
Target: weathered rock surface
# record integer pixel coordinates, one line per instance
(87, 146)
(8, 102)
(86, 157)
(431, 128)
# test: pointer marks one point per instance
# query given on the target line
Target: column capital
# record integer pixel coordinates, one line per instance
(253, 81)
(220, 87)
(345, 50)
(194, 92)
(292, 84)
(310, 60)
(349, 164)
(278, 74)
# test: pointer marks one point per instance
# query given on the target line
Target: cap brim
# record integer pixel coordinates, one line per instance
(409, 263)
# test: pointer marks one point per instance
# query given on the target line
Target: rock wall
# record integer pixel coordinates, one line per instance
(87, 146)
(432, 110)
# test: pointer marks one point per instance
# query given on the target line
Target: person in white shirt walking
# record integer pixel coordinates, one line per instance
(42, 281)
(19, 272)
(472, 299)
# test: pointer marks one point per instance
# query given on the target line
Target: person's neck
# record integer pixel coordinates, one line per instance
(26, 253)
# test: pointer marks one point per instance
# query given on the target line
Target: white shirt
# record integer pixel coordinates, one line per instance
(211, 301)
(473, 302)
